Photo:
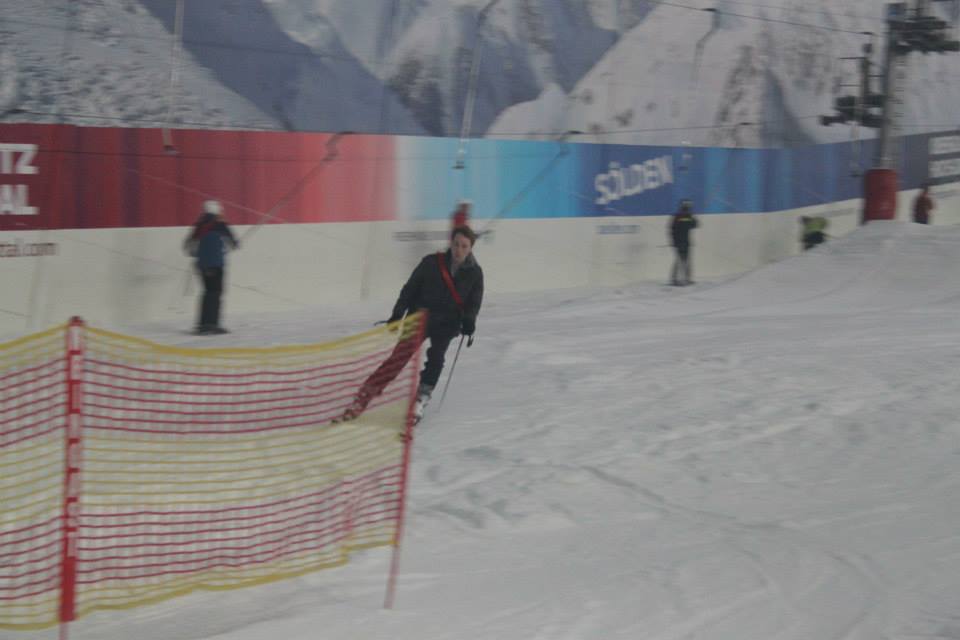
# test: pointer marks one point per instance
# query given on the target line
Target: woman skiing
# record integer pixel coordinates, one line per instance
(449, 287)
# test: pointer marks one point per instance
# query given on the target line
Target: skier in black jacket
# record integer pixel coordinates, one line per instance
(452, 307)
(681, 224)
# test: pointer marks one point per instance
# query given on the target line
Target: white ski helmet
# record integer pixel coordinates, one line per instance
(212, 206)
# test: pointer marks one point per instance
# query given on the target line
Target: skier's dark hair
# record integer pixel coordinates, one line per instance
(466, 232)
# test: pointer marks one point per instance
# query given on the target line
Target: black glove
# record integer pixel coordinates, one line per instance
(468, 326)
(393, 318)
(387, 321)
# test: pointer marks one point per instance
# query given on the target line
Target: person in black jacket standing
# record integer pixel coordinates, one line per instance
(449, 287)
(681, 224)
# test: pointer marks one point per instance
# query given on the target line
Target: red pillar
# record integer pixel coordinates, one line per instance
(461, 215)
(879, 195)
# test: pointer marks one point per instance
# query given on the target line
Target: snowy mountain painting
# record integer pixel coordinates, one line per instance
(704, 72)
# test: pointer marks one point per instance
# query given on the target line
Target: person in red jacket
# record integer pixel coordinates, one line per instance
(461, 215)
(922, 206)
(449, 287)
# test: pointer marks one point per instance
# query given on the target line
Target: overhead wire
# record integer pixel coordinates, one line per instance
(330, 155)
(499, 134)
(421, 156)
(792, 23)
(303, 51)
(794, 9)
(309, 52)
(759, 5)
(533, 182)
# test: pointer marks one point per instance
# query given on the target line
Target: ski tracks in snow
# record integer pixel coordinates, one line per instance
(692, 425)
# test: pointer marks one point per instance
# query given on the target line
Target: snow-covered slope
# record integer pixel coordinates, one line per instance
(773, 456)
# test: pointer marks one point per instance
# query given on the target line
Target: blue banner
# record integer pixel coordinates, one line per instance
(527, 179)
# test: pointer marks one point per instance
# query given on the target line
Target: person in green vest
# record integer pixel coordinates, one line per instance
(813, 231)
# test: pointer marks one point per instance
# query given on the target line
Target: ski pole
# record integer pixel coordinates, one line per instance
(452, 367)
(177, 303)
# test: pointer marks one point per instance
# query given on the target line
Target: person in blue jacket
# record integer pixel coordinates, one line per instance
(208, 242)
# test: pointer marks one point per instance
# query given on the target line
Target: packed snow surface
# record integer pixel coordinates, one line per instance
(771, 457)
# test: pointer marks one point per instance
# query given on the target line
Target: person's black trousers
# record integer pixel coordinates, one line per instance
(681, 265)
(436, 355)
(212, 291)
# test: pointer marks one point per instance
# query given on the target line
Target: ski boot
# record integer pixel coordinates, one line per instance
(423, 397)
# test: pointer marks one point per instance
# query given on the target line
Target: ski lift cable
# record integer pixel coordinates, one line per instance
(562, 151)
(173, 85)
(500, 134)
(466, 121)
(339, 56)
(270, 214)
(330, 155)
(804, 25)
(761, 5)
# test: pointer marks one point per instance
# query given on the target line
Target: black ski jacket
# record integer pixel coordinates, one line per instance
(681, 224)
(426, 289)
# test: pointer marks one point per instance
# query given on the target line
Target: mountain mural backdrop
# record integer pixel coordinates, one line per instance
(719, 73)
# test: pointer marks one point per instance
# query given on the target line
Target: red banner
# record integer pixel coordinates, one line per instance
(68, 177)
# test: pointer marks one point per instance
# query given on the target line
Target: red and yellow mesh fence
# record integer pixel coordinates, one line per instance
(132, 472)
(32, 428)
